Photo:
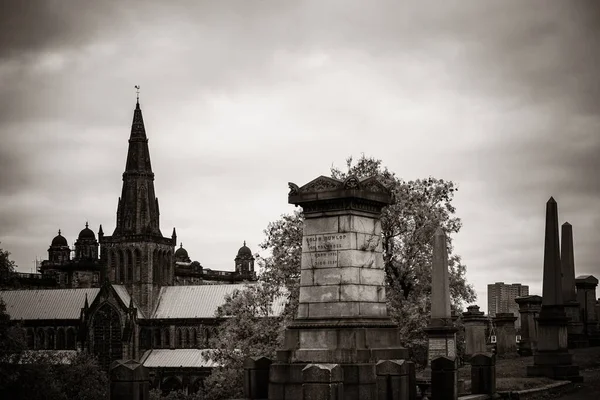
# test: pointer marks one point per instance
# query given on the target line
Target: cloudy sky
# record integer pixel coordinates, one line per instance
(241, 97)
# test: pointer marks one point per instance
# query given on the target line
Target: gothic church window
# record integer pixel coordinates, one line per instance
(60, 339)
(129, 266)
(41, 339)
(107, 336)
(138, 263)
(121, 267)
(30, 339)
(70, 342)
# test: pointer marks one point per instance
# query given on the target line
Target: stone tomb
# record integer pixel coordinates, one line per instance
(475, 324)
(342, 317)
(529, 308)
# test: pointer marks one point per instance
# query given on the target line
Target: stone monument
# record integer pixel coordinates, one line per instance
(506, 334)
(552, 357)
(529, 308)
(576, 336)
(441, 331)
(586, 296)
(475, 323)
(342, 318)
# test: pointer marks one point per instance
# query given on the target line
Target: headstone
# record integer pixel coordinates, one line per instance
(483, 374)
(129, 380)
(475, 323)
(529, 308)
(441, 331)
(395, 380)
(323, 382)
(256, 377)
(444, 378)
(552, 358)
(506, 334)
(586, 296)
(342, 317)
(575, 329)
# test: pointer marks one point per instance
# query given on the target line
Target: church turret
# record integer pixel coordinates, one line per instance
(86, 246)
(59, 251)
(244, 261)
(174, 237)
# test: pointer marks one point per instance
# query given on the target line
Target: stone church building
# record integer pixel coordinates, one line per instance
(130, 294)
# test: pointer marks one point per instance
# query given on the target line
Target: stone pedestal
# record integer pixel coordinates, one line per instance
(552, 358)
(576, 336)
(342, 317)
(575, 329)
(475, 323)
(586, 297)
(529, 308)
(483, 374)
(506, 334)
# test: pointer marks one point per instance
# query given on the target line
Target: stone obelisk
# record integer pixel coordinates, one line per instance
(342, 318)
(576, 336)
(441, 330)
(552, 357)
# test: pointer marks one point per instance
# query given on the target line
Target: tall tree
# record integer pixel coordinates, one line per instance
(7, 271)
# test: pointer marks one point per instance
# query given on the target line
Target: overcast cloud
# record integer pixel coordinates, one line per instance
(241, 97)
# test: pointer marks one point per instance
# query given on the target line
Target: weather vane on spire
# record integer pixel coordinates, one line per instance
(137, 91)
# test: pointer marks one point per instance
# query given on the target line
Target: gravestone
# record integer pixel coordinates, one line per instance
(441, 331)
(129, 380)
(575, 329)
(506, 334)
(586, 296)
(475, 323)
(342, 317)
(529, 308)
(552, 358)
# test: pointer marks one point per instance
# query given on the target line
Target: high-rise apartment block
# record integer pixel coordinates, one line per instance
(501, 298)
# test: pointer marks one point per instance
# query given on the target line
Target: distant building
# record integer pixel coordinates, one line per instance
(130, 294)
(501, 299)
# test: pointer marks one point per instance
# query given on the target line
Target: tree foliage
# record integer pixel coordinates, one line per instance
(7, 271)
(45, 374)
(408, 225)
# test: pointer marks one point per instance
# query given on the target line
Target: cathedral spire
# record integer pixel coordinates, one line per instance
(137, 212)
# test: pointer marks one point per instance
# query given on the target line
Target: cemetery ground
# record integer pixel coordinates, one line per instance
(511, 375)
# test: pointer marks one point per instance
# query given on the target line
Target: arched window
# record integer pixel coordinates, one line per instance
(145, 338)
(113, 265)
(179, 343)
(167, 338)
(41, 339)
(129, 266)
(121, 266)
(50, 335)
(188, 342)
(107, 343)
(156, 266)
(138, 263)
(157, 341)
(194, 337)
(171, 384)
(30, 339)
(71, 343)
(60, 339)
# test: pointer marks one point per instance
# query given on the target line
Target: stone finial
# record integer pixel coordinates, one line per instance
(440, 287)
(568, 264)
(552, 286)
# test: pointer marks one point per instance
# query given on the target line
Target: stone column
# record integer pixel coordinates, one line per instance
(576, 337)
(475, 323)
(506, 334)
(342, 317)
(586, 296)
(552, 358)
(529, 308)
(441, 331)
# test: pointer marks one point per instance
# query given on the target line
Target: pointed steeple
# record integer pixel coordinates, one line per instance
(137, 211)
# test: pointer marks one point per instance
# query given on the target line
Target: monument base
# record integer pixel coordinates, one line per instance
(441, 341)
(355, 345)
(554, 365)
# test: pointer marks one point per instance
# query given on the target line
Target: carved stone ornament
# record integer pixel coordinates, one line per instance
(352, 182)
(321, 184)
(293, 189)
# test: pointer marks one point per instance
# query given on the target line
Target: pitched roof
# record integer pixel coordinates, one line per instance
(126, 299)
(199, 301)
(46, 303)
(175, 358)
